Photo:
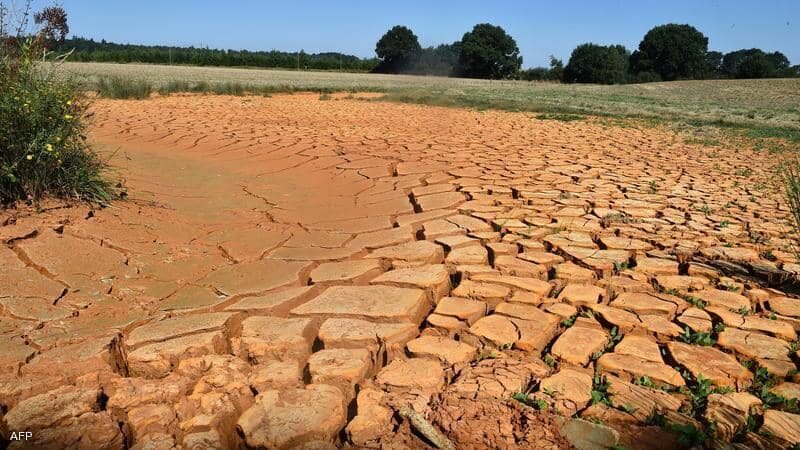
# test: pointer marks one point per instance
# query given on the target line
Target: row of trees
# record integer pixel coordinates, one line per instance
(667, 52)
(671, 52)
(486, 51)
(90, 50)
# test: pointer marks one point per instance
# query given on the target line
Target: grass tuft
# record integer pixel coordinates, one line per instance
(123, 88)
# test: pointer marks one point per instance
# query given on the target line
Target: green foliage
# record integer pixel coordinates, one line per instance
(755, 63)
(397, 49)
(43, 150)
(440, 60)
(600, 64)
(600, 390)
(536, 403)
(673, 52)
(554, 73)
(689, 436)
(488, 52)
(89, 50)
(691, 337)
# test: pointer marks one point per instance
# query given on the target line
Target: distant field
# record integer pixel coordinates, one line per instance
(771, 106)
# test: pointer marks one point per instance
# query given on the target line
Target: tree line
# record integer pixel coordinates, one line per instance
(667, 52)
(89, 50)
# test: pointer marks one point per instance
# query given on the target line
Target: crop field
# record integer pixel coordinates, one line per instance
(769, 105)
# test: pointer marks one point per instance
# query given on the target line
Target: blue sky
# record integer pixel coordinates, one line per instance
(540, 28)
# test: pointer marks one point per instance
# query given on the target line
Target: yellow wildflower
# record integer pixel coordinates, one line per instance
(29, 157)
(69, 102)
(68, 116)
(49, 147)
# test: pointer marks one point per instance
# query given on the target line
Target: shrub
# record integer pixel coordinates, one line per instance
(592, 63)
(42, 146)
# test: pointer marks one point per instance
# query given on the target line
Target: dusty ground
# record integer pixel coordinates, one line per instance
(294, 272)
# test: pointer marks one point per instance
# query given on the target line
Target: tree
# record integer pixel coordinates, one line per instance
(713, 64)
(673, 52)
(397, 49)
(591, 63)
(755, 63)
(488, 52)
(556, 72)
(439, 60)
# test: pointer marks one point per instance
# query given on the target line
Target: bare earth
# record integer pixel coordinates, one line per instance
(292, 273)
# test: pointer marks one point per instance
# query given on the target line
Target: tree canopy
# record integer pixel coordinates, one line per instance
(591, 63)
(672, 52)
(397, 49)
(488, 52)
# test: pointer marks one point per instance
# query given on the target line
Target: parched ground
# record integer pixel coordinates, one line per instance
(290, 272)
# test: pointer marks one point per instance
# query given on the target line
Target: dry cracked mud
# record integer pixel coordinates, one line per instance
(296, 273)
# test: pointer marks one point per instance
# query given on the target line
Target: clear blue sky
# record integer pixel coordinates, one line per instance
(541, 28)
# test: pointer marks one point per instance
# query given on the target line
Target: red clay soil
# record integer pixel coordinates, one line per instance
(289, 272)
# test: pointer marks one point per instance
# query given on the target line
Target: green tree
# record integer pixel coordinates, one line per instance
(591, 63)
(672, 51)
(488, 52)
(755, 63)
(713, 64)
(397, 49)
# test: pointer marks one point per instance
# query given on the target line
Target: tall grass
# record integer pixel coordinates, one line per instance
(124, 88)
(132, 88)
(43, 150)
(790, 175)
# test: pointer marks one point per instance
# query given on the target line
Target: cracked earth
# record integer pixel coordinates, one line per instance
(297, 273)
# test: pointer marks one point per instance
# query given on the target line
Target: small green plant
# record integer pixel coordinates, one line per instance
(645, 381)
(487, 354)
(568, 322)
(696, 302)
(705, 209)
(689, 436)
(600, 390)
(724, 224)
(746, 172)
(549, 360)
(652, 187)
(744, 311)
(691, 337)
(526, 399)
(620, 266)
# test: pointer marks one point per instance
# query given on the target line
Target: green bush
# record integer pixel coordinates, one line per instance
(43, 150)
(591, 63)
